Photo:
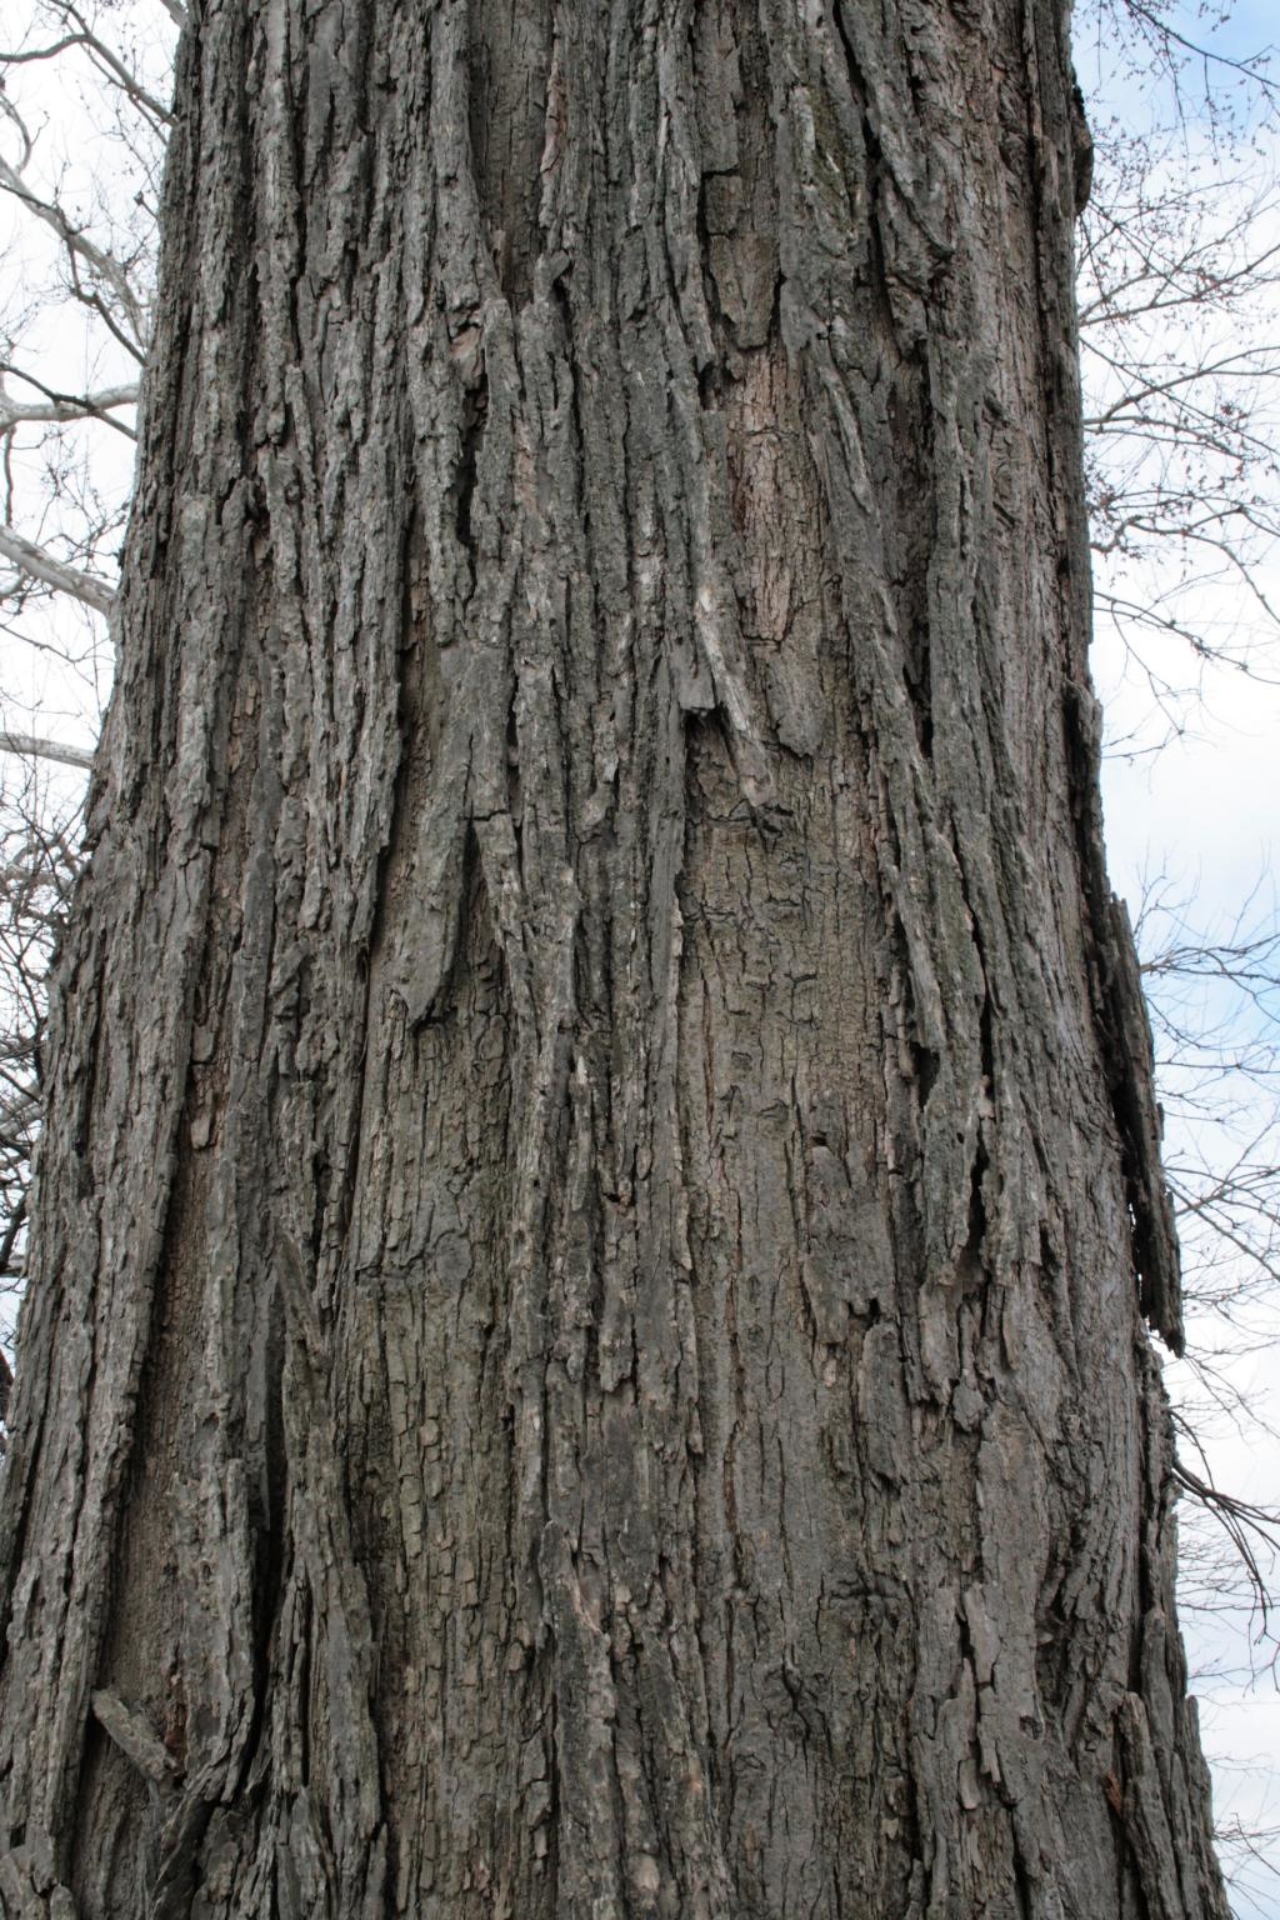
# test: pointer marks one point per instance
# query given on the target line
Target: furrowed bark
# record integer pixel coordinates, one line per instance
(586, 1355)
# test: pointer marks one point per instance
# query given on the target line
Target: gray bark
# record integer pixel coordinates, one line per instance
(601, 1184)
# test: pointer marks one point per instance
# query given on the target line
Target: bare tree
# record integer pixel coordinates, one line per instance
(1180, 344)
(38, 862)
(1182, 456)
(600, 1185)
(1214, 997)
(83, 229)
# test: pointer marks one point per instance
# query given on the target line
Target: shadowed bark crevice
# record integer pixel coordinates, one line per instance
(1124, 1037)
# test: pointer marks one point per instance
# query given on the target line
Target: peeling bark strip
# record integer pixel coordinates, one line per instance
(601, 1185)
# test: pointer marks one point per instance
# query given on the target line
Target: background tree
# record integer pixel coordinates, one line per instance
(37, 862)
(79, 176)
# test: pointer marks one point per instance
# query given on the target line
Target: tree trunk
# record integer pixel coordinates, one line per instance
(601, 1181)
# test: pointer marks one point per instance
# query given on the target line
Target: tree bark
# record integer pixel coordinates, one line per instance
(586, 1355)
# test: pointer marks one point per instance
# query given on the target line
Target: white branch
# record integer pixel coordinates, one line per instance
(35, 748)
(56, 406)
(59, 408)
(33, 560)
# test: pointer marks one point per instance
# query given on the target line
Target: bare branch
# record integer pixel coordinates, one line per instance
(62, 408)
(81, 250)
(108, 63)
(33, 560)
(34, 747)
